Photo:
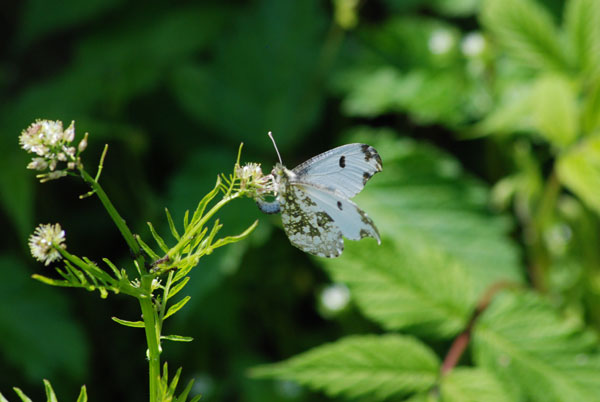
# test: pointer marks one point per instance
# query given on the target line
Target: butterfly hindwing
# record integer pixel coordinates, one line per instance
(307, 226)
(352, 221)
(344, 169)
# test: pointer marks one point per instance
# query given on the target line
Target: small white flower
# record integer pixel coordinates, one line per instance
(440, 41)
(57, 174)
(48, 140)
(45, 241)
(38, 164)
(249, 171)
(473, 44)
(69, 133)
(31, 139)
(335, 297)
(155, 284)
(83, 143)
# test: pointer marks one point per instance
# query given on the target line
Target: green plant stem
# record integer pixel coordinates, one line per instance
(114, 214)
(152, 336)
(189, 235)
(542, 218)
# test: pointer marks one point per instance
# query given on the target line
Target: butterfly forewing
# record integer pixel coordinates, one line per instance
(344, 169)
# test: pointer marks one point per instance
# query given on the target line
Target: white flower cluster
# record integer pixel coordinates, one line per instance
(52, 144)
(45, 242)
(252, 180)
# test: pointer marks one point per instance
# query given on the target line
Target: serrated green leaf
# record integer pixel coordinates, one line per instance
(375, 93)
(176, 307)
(50, 395)
(177, 338)
(527, 32)
(472, 385)
(582, 25)
(82, 394)
(537, 354)
(133, 324)
(424, 201)
(555, 110)
(423, 293)
(368, 365)
(579, 169)
(512, 112)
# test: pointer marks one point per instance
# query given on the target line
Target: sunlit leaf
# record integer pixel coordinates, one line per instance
(536, 353)
(423, 200)
(425, 293)
(555, 109)
(527, 32)
(579, 169)
(367, 365)
(470, 384)
(582, 24)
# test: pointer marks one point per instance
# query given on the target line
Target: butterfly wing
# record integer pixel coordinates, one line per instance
(315, 218)
(307, 226)
(345, 169)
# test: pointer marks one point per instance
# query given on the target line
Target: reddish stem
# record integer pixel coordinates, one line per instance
(462, 340)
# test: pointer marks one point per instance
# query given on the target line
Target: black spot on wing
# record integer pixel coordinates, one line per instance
(366, 177)
(342, 161)
(339, 205)
(370, 153)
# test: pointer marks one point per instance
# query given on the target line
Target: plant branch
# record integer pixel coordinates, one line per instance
(114, 214)
(152, 336)
(461, 342)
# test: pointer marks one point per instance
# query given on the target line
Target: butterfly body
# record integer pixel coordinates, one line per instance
(314, 199)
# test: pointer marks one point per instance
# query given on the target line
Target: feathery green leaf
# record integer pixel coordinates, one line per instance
(527, 31)
(538, 355)
(464, 384)
(400, 288)
(376, 366)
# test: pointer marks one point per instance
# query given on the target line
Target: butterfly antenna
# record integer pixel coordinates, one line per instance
(275, 145)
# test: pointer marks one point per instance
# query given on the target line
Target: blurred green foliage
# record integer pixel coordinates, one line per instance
(486, 114)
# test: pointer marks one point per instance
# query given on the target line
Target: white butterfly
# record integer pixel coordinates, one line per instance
(314, 199)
